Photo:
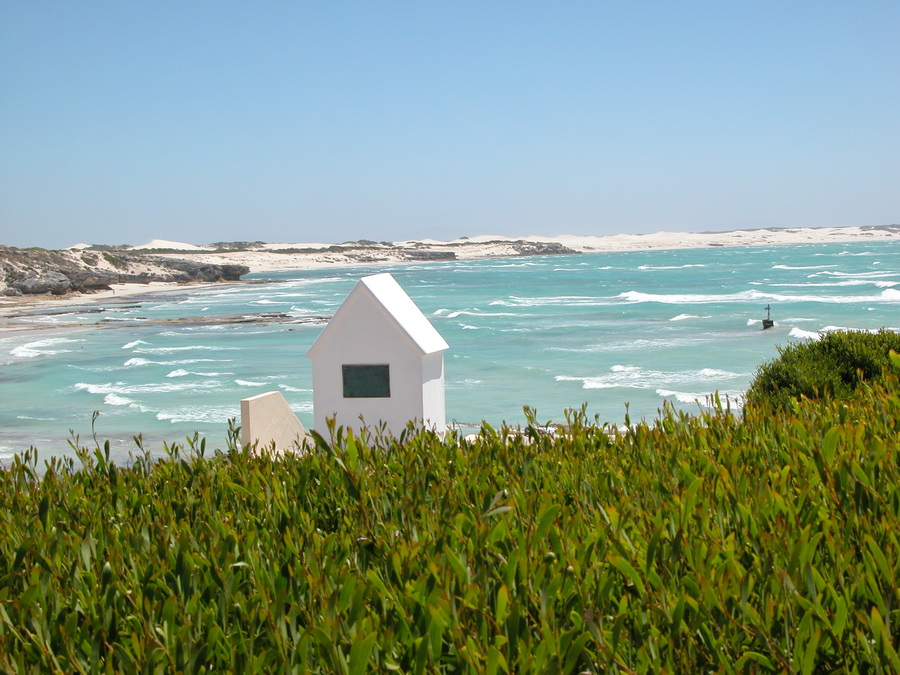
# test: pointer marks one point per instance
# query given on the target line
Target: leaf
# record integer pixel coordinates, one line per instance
(880, 560)
(628, 572)
(502, 604)
(895, 359)
(496, 511)
(759, 658)
(809, 654)
(545, 519)
(495, 662)
(574, 652)
(360, 651)
(239, 488)
(829, 444)
(87, 547)
(458, 567)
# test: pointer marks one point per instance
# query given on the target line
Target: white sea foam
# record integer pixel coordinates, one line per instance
(137, 361)
(855, 275)
(207, 414)
(733, 397)
(115, 399)
(465, 327)
(135, 343)
(799, 267)
(562, 300)
(468, 383)
(248, 383)
(681, 396)
(836, 284)
(286, 387)
(692, 298)
(476, 312)
(639, 345)
(804, 334)
(832, 329)
(169, 350)
(889, 295)
(640, 378)
(683, 317)
(658, 268)
(47, 347)
(181, 372)
(125, 388)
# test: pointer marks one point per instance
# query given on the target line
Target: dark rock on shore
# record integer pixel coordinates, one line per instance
(51, 282)
(429, 255)
(542, 248)
(195, 271)
(38, 272)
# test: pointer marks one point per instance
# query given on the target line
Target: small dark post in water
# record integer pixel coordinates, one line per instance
(767, 322)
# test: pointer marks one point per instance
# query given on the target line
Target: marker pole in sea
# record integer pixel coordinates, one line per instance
(767, 322)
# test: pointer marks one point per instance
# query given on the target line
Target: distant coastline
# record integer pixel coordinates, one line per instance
(273, 257)
(157, 257)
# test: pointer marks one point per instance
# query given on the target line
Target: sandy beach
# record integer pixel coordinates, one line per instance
(299, 256)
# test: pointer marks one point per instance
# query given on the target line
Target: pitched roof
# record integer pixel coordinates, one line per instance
(384, 289)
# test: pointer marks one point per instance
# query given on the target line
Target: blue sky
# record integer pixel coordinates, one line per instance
(297, 121)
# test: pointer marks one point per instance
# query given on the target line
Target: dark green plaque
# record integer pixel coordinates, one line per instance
(367, 381)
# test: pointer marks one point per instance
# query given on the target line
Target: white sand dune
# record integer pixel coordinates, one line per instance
(315, 255)
(165, 243)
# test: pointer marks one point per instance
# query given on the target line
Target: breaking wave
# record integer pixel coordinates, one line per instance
(639, 378)
(47, 347)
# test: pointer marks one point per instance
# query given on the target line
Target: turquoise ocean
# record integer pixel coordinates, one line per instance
(551, 332)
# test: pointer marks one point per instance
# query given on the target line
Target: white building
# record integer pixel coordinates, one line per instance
(379, 358)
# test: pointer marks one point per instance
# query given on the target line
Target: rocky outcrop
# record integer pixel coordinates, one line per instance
(541, 248)
(46, 282)
(429, 255)
(40, 272)
(194, 271)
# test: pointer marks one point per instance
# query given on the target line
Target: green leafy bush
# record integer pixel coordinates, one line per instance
(832, 366)
(711, 543)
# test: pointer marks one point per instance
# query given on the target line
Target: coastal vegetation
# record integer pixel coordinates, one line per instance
(834, 365)
(765, 541)
(36, 271)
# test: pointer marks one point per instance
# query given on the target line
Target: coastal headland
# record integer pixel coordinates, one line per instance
(98, 272)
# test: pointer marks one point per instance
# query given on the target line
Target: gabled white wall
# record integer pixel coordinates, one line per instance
(433, 401)
(365, 332)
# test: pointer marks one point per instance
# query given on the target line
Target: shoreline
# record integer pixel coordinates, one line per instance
(17, 307)
(282, 257)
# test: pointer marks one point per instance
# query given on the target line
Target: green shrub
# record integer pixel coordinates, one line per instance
(115, 260)
(830, 367)
(709, 543)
